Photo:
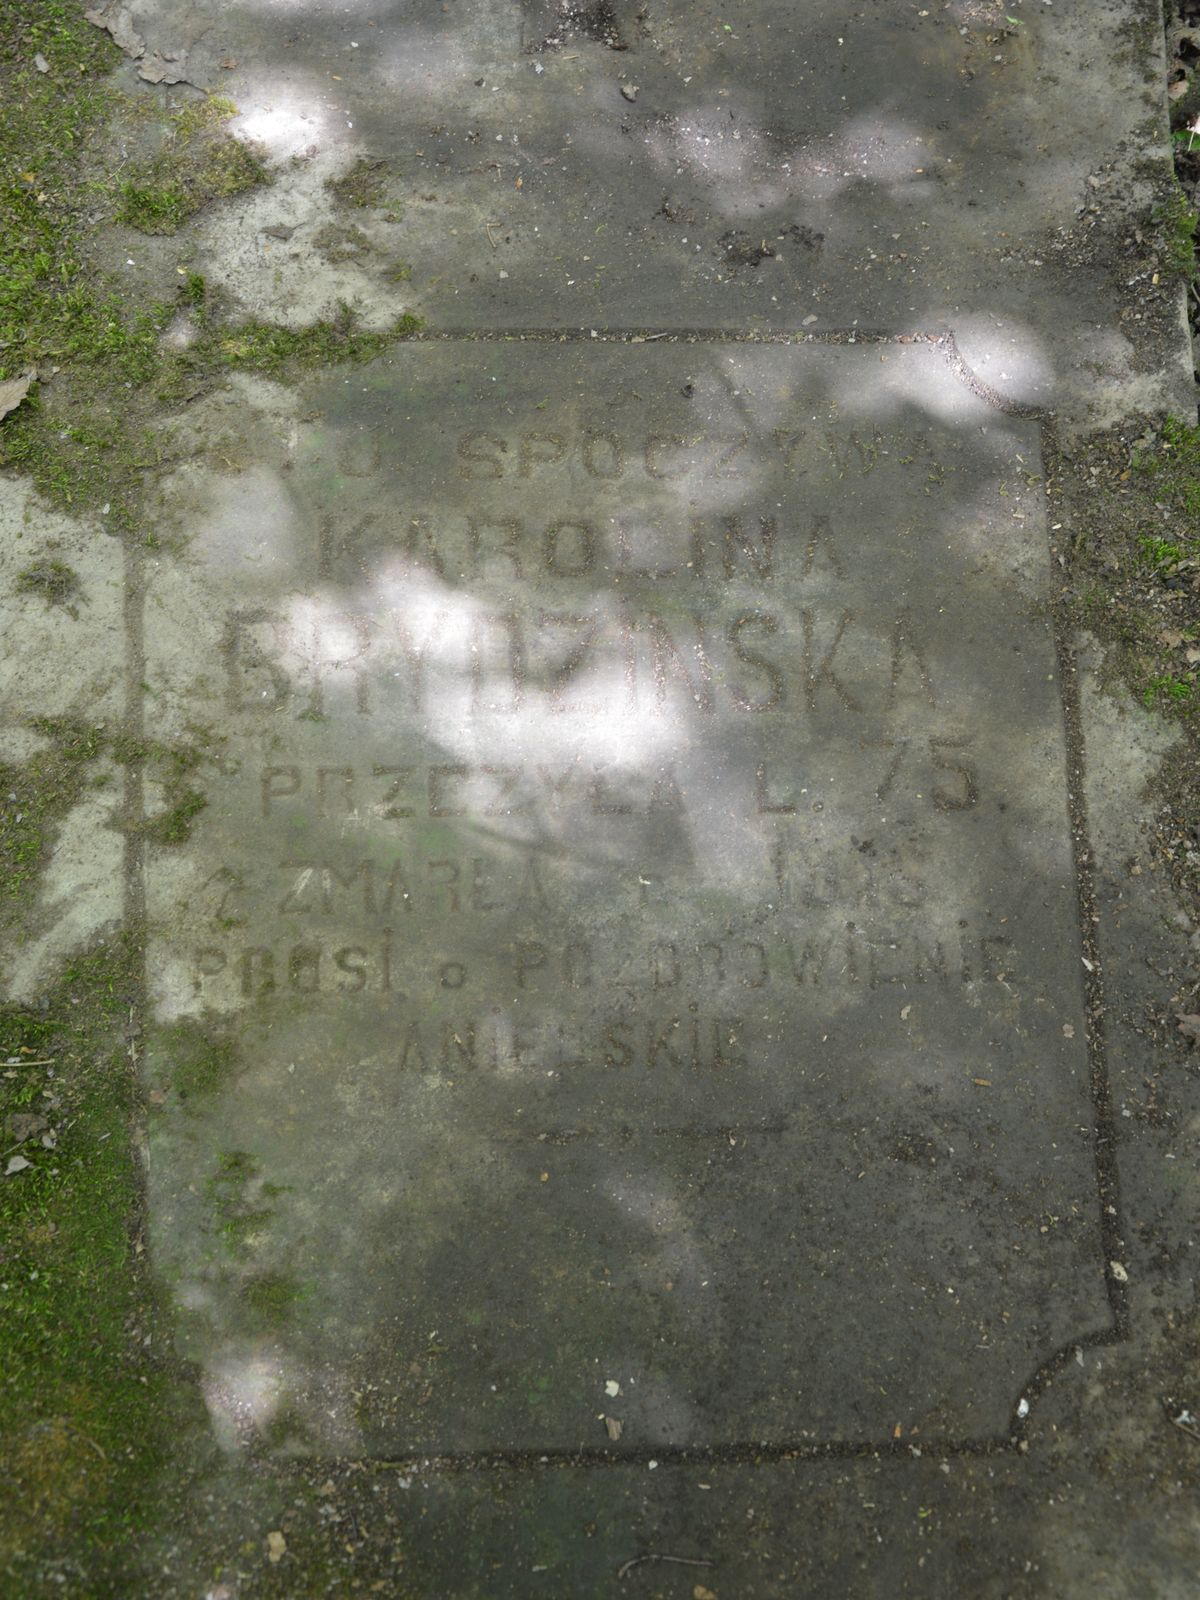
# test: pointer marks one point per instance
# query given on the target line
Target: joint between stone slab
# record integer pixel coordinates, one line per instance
(1104, 1135)
(134, 727)
(837, 338)
(743, 1453)
(134, 794)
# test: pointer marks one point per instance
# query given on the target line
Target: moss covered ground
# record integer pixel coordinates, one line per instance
(88, 1405)
(92, 1408)
(97, 420)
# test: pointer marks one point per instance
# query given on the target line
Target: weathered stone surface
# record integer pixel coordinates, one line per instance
(642, 1015)
(639, 906)
(63, 622)
(964, 166)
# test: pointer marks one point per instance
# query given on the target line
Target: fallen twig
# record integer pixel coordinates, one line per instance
(87, 1439)
(676, 1561)
(1184, 1421)
(71, 1427)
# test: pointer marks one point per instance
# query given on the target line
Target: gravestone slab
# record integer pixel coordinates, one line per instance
(633, 936)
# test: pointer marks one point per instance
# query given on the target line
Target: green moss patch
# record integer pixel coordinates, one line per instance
(365, 184)
(35, 796)
(51, 580)
(1176, 222)
(96, 427)
(1172, 462)
(96, 1422)
(79, 435)
(240, 1203)
(266, 347)
(174, 826)
(269, 1298)
(198, 164)
(1130, 500)
(339, 244)
(202, 1059)
(48, 120)
(89, 1413)
(173, 768)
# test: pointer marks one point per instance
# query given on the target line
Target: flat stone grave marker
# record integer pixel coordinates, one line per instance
(633, 937)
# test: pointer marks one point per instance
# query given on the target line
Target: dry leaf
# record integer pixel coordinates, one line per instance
(276, 1545)
(1189, 1025)
(701, 1593)
(13, 392)
(615, 1428)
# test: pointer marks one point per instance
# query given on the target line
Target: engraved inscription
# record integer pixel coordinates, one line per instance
(752, 662)
(641, 825)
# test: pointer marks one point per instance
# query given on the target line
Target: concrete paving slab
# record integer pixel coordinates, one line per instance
(646, 166)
